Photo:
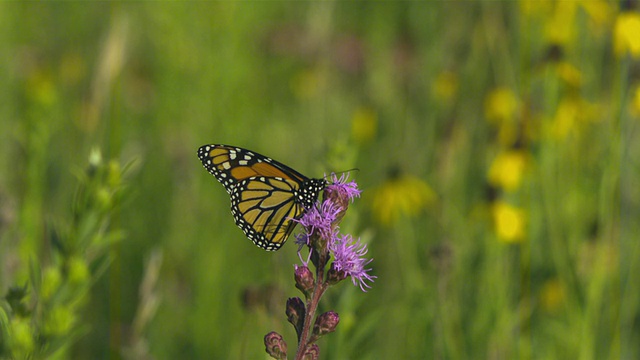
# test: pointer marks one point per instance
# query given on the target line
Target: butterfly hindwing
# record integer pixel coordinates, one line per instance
(265, 195)
(264, 209)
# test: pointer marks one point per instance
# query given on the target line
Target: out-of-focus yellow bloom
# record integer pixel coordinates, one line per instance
(364, 125)
(501, 105)
(635, 102)
(552, 295)
(500, 108)
(536, 8)
(572, 114)
(569, 74)
(559, 29)
(599, 11)
(402, 195)
(509, 222)
(307, 84)
(507, 169)
(626, 36)
(445, 86)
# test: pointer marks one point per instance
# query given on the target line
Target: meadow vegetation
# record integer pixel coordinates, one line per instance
(497, 147)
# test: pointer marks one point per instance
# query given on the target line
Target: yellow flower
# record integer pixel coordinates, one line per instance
(445, 86)
(571, 115)
(536, 8)
(501, 105)
(626, 34)
(599, 11)
(399, 196)
(509, 222)
(569, 74)
(559, 28)
(500, 108)
(507, 169)
(552, 295)
(364, 125)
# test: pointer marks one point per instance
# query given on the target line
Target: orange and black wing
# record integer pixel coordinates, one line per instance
(265, 195)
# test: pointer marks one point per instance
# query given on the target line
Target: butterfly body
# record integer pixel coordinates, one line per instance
(266, 195)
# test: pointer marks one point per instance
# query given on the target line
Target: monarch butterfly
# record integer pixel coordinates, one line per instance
(266, 196)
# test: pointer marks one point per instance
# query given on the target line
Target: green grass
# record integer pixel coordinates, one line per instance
(147, 83)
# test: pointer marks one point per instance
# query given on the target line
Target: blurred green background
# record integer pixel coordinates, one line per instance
(497, 147)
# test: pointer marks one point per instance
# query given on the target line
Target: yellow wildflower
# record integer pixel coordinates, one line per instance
(572, 114)
(509, 222)
(599, 11)
(559, 28)
(501, 105)
(401, 195)
(569, 74)
(625, 33)
(500, 108)
(507, 169)
(536, 8)
(364, 125)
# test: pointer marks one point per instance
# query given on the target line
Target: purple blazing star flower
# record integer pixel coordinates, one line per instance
(323, 221)
(320, 220)
(344, 189)
(349, 258)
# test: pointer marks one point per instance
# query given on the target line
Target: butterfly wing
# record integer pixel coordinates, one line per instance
(231, 164)
(265, 194)
(264, 208)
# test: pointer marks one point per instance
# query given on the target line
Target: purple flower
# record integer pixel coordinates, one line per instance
(322, 222)
(319, 220)
(344, 189)
(349, 257)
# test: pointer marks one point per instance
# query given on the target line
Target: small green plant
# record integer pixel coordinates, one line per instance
(41, 319)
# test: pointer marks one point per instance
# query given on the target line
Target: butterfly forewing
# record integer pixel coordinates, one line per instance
(266, 196)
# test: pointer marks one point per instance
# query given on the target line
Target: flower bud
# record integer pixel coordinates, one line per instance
(312, 353)
(304, 279)
(295, 313)
(326, 323)
(335, 276)
(275, 345)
